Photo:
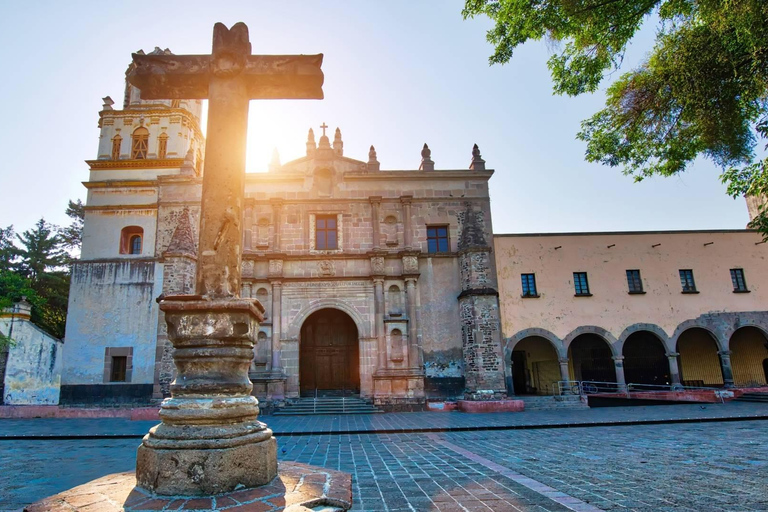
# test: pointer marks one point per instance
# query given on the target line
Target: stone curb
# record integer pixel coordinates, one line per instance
(428, 430)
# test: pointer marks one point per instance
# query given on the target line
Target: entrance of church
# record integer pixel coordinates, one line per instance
(329, 356)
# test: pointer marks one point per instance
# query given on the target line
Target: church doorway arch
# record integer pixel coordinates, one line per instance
(329, 354)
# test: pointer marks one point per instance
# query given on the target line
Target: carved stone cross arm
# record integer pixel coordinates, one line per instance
(265, 76)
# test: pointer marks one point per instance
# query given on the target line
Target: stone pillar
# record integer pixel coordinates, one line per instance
(407, 233)
(375, 204)
(277, 301)
(415, 356)
(378, 284)
(248, 228)
(565, 375)
(210, 440)
(277, 210)
(618, 364)
(674, 371)
(725, 364)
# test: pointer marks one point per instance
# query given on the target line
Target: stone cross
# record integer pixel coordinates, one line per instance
(228, 78)
(323, 126)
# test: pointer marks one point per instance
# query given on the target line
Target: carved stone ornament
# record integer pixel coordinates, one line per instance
(410, 264)
(325, 268)
(275, 268)
(377, 265)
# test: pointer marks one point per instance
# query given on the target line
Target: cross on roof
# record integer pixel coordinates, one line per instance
(323, 126)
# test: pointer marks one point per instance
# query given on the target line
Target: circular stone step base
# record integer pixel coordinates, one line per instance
(297, 487)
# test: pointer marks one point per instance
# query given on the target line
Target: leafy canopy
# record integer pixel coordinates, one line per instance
(703, 90)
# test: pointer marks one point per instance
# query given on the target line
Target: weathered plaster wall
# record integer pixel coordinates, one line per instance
(102, 230)
(111, 304)
(606, 257)
(33, 370)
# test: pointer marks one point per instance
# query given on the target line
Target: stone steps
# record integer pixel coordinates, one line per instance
(753, 397)
(327, 405)
(542, 403)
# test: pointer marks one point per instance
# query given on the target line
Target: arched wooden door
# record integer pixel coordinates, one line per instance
(329, 357)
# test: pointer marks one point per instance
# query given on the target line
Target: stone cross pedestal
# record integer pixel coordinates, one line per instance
(210, 440)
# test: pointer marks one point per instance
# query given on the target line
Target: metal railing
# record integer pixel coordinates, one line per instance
(588, 387)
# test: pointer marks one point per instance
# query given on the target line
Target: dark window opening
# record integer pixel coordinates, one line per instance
(737, 278)
(437, 239)
(119, 367)
(326, 232)
(529, 285)
(580, 283)
(687, 282)
(634, 282)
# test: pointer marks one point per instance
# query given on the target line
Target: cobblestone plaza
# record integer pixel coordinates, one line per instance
(710, 466)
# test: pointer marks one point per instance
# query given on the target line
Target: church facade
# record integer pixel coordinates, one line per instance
(390, 283)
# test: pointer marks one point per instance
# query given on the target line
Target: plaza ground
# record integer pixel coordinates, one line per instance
(683, 458)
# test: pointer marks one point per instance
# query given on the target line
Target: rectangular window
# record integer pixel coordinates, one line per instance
(634, 282)
(737, 278)
(119, 367)
(437, 239)
(687, 282)
(326, 232)
(529, 285)
(580, 283)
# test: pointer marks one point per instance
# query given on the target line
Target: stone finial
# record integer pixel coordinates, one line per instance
(477, 164)
(426, 159)
(311, 146)
(338, 144)
(188, 166)
(108, 102)
(274, 164)
(183, 240)
(373, 163)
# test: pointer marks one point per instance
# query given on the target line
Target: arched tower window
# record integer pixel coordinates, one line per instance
(162, 145)
(140, 143)
(131, 240)
(116, 142)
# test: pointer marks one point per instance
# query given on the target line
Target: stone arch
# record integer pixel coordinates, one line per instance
(645, 359)
(749, 356)
(591, 329)
(719, 337)
(698, 359)
(363, 329)
(655, 329)
(557, 344)
(728, 334)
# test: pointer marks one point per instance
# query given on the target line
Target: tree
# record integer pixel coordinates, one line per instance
(42, 261)
(72, 236)
(703, 90)
(8, 251)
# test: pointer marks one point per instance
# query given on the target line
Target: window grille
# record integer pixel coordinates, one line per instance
(634, 282)
(687, 282)
(580, 283)
(737, 278)
(529, 285)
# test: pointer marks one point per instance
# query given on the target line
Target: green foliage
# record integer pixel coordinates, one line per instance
(703, 90)
(72, 236)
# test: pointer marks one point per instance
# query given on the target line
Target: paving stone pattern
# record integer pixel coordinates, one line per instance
(681, 467)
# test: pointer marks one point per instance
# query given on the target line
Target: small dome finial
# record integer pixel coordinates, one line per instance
(426, 159)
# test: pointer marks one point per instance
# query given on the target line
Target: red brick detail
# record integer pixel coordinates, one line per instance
(491, 406)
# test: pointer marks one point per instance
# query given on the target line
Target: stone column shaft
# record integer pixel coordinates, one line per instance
(618, 364)
(221, 206)
(375, 204)
(248, 228)
(564, 374)
(415, 356)
(407, 234)
(277, 301)
(725, 365)
(277, 208)
(380, 335)
(674, 370)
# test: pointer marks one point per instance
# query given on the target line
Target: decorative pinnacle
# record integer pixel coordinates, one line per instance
(426, 159)
(338, 144)
(477, 164)
(373, 163)
(311, 136)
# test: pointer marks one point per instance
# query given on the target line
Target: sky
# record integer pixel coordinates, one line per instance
(398, 74)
